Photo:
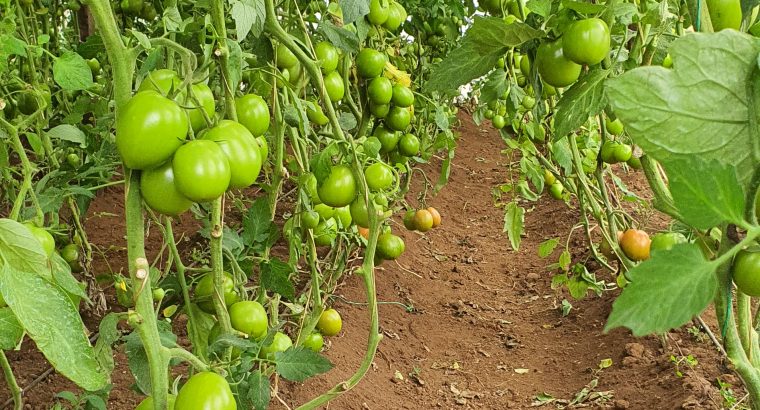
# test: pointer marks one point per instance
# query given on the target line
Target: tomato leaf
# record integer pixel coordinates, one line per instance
(584, 99)
(495, 85)
(21, 250)
(298, 364)
(482, 45)
(672, 113)
(64, 279)
(71, 72)
(679, 282)
(340, 37)
(706, 193)
(55, 325)
(258, 391)
(69, 133)
(108, 334)
(257, 222)
(249, 17)
(275, 276)
(10, 329)
(514, 220)
(547, 247)
(354, 10)
(137, 359)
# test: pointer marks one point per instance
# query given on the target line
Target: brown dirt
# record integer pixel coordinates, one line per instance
(486, 329)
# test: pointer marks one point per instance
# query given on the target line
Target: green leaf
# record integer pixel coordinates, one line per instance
(482, 45)
(706, 193)
(138, 359)
(64, 279)
(69, 133)
(235, 62)
(354, 10)
(52, 321)
(565, 259)
(298, 364)
(275, 276)
(340, 37)
(347, 121)
(10, 329)
(583, 7)
(577, 287)
(12, 45)
(547, 247)
(665, 292)
(258, 390)
(21, 250)
(495, 85)
(142, 39)
(584, 99)
(541, 7)
(672, 113)
(257, 222)
(107, 336)
(90, 47)
(71, 72)
(514, 220)
(249, 17)
(172, 18)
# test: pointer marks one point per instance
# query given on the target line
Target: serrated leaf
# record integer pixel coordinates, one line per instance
(257, 222)
(10, 329)
(672, 113)
(354, 10)
(107, 336)
(172, 19)
(714, 197)
(258, 390)
(69, 133)
(298, 364)
(340, 37)
(495, 85)
(249, 17)
(71, 72)
(584, 99)
(547, 247)
(583, 7)
(565, 259)
(55, 325)
(20, 249)
(541, 7)
(347, 121)
(137, 359)
(12, 45)
(275, 276)
(235, 62)
(680, 283)
(514, 219)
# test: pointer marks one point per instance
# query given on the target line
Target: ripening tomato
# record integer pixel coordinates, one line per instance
(330, 323)
(378, 11)
(149, 130)
(327, 56)
(147, 404)
(587, 41)
(402, 96)
(549, 178)
(314, 342)
(388, 139)
(280, 343)
(201, 170)
(335, 87)
(555, 69)
(635, 244)
(160, 193)
(746, 272)
(339, 188)
(409, 145)
(423, 220)
(241, 150)
(380, 91)
(206, 391)
(390, 246)
(43, 237)
(285, 58)
(370, 63)
(253, 113)
(204, 291)
(379, 176)
(250, 318)
(436, 216)
(398, 118)
(725, 14)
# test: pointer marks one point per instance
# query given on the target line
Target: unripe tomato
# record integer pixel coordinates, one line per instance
(436, 216)
(326, 232)
(206, 391)
(339, 188)
(250, 318)
(423, 220)
(555, 69)
(43, 237)
(335, 87)
(402, 96)
(310, 219)
(379, 110)
(147, 404)
(263, 148)
(240, 149)
(725, 14)
(390, 246)
(608, 152)
(206, 99)
(380, 91)
(388, 139)
(667, 62)
(409, 220)
(253, 113)
(528, 102)
(664, 241)
(70, 253)
(310, 185)
(280, 343)
(613, 127)
(94, 65)
(587, 41)
(325, 211)
(370, 63)
(498, 122)
(525, 66)
(314, 342)
(330, 323)
(160, 193)
(396, 16)
(489, 114)
(622, 152)
(201, 170)
(634, 162)
(204, 292)
(746, 272)
(409, 145)
(549, 178)
(556, 189)
(635, 244)
(327, 56)
(285, 58)
(378, 11)
(360, 213)
(379, 176)
(343, 214)
(398, 118)
(316, 115)
(164, 81)
(149, 130)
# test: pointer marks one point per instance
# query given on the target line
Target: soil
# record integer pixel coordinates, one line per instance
(467, 322)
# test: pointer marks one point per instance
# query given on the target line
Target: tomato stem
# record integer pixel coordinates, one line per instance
(18, 401)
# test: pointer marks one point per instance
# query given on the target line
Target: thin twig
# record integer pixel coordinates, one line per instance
(711, 335)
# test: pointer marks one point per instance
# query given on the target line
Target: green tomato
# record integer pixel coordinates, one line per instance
(667, 62)
(634, 162)
(402, 96)
(206, 391)
(94, 65)
(587, 41)
(409, 222)
(250, 318)
(613, 127)
(388, 139)
(325, 211)
(335, 87)
(549, 178)
(253, 113)
(528, 102)
(339, 188)
(380, 91)
(555, 69)
(204, 291)
(310, 219)
(147, 404)
(241, 150)
(525, 66)
(556, 189)
(160, 193)
(343, 214)
(409, 145)
(498, 122)
(201, 170)
(326, 232)
(70, 253)
(370, 63)
(725, 14)
(390, 246)
(379, 110)
(263, 148)
(285, 58)
(360, 213)
(150, 129)
(280, 343)
(164, 81)
(622, 152)
(330, 323)
(666, 241)
(327, 56)
(316, 115)
(42, 236)
(396, 16)
(314, 342)
(379, 176)
(206, 99)
(398, 118)
(746, 272)
(378, 11)
(608, 152)
(310, 185)
(489, 114)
